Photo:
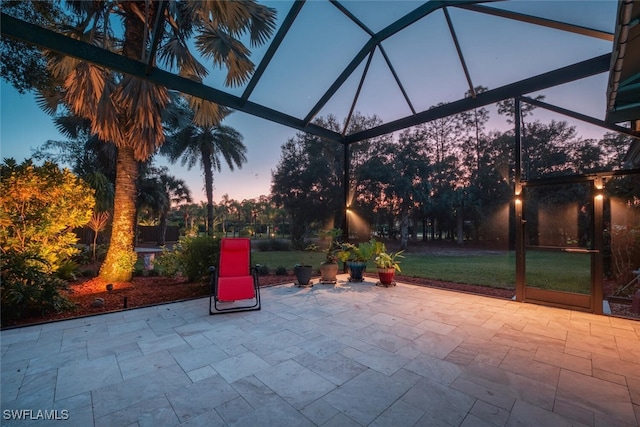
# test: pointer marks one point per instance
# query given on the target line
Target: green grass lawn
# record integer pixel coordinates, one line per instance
(548, 270)
(569, 272)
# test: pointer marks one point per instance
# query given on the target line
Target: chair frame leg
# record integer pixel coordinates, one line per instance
(214, 301)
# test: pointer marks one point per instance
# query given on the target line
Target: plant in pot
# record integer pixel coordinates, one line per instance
(356, 257)
(303, 271)
(329, 267)
(387, 265)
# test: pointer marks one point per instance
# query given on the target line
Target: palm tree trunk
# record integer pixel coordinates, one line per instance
(162, 235)
(120, 259)
(208, 188)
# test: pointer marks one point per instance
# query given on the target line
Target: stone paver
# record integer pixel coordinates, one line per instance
(343, 355)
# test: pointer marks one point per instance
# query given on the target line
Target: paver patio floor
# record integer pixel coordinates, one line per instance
(344, 355)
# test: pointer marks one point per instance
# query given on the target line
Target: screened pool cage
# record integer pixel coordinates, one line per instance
(413, 63)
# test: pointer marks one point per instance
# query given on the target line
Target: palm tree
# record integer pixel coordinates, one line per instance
(177, 193)
(207, 145)
(158, 191)
(127, 110)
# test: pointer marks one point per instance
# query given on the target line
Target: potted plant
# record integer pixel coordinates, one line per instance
(303, 271)
(387, 265)
(356, 257)
(303, 274)
(329, 267)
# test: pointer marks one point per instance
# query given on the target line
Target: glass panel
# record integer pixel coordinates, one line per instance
(558, 237)
(600, 15)
(559, 215)
(622, 236)
(309, 59)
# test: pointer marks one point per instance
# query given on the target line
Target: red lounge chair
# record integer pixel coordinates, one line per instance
(234, 285)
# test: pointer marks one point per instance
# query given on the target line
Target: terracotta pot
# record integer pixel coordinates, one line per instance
(329, 271)
(386, 275)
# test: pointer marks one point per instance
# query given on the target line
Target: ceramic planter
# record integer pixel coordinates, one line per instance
(303, 274)
(356, 269)
(386, 276)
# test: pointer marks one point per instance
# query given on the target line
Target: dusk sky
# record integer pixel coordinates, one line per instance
(323, 41)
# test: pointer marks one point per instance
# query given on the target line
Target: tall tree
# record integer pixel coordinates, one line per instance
(614, 148)
(207, 145)
(474, 122)
(308, 180)
(442, 138)
(127, 110)
(396, 176)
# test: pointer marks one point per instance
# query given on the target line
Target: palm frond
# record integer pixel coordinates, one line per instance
(233, 15)
(263, 24)
(142, 103)
(49, 101)
(226, 51)
(177, 115)
(107, 124)
(83, 89)
(206, 113)
(229, 144)
(60, 66)
(71, 125)
(174, 54)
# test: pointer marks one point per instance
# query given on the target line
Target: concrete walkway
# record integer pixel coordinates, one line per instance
(344, 355)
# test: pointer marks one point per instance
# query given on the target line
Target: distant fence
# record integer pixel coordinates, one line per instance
(151, 233)
(146, 234)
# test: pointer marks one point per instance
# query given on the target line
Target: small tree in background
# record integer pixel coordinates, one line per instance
(97, 223)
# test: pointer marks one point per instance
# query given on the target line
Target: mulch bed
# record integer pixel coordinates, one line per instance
(144, 291)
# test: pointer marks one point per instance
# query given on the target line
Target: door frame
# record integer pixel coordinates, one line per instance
(583, 302)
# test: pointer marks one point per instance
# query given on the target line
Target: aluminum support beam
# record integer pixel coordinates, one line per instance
(536, 20)
(557, 77)
(47, 39)
(399, 25)
(273, 47)
(520, 222)
(579, 116)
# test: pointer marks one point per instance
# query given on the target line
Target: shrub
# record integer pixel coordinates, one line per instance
(198, 254)
(68, 270)
(191, 256)
(83, 257)
(26, 288)
(262, 270)
(281, 271)
(39, 207)
(168, 263)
